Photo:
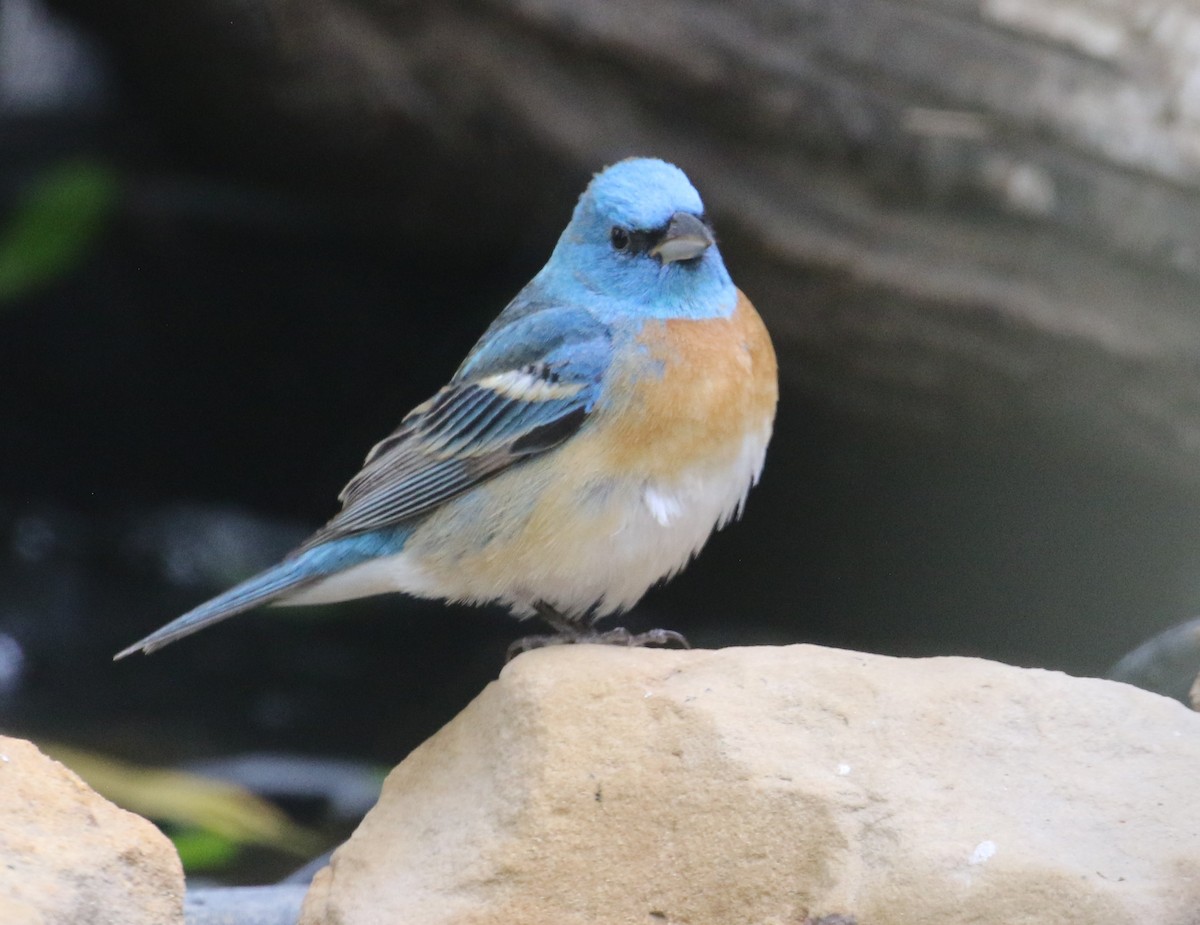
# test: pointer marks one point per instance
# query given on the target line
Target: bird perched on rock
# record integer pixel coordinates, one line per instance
(613, 415)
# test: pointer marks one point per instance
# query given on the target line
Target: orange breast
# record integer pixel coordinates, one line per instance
(699, 388)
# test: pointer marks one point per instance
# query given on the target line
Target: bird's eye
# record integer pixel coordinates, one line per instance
(620, 239)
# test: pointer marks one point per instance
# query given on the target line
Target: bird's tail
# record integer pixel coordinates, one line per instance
(289, 575)
(298, 571)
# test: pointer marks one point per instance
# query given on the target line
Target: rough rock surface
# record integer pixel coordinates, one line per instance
(774, 785)
(69, 857)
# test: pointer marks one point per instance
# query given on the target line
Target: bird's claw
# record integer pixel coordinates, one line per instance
(614, 637)
(656, 637)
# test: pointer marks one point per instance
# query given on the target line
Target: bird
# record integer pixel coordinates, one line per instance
(614, 415)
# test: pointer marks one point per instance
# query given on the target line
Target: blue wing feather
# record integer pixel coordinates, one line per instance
(528, 385)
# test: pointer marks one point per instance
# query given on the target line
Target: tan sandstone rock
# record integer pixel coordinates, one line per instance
(600, 785)
(69, 857)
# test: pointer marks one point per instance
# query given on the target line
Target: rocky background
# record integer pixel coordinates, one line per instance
(972, 228)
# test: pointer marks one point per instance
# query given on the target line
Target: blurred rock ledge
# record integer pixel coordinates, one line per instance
(601, 785)
(950, 213)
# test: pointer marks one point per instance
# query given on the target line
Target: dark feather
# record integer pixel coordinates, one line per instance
(464, 435)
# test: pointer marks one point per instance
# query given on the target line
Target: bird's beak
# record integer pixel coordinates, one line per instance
(686, 237)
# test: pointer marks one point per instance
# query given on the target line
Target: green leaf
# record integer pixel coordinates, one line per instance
(202, 850)
(190, 801)
(54, 225)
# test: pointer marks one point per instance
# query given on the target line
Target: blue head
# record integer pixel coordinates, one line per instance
(637, 245)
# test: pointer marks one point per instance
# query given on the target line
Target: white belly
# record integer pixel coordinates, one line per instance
(544, 533)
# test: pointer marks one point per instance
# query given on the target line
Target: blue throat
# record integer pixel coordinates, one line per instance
(699, 289)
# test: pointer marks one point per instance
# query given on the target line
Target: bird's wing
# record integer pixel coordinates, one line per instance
(520, 393)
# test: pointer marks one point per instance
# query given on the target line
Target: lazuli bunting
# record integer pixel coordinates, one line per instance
(613, 415)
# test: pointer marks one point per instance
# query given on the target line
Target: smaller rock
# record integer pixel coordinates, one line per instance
(68, 856)
(1194, 696)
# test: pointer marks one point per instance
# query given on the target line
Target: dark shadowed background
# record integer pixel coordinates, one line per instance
(238, 241)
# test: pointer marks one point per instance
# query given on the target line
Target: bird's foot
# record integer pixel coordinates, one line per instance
(614, 637)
